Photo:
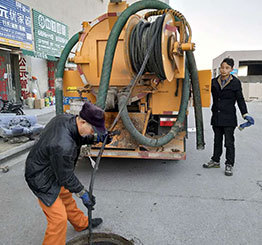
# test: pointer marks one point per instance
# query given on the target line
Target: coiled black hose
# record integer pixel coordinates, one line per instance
(140, 39)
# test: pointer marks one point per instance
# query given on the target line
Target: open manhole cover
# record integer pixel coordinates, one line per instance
(100, 239)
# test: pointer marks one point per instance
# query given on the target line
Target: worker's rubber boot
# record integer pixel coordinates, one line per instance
(211, 164)
(95, 222)
(228, 170)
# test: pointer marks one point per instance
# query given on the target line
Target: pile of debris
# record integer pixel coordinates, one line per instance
(19, 128)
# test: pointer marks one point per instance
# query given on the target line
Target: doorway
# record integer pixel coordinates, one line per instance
(5, 75)
(10, 87)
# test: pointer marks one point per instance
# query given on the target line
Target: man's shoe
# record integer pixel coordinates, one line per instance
(228, 170)
(211, 164)
(95, 222)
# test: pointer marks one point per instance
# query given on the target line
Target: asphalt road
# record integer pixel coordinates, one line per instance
(155, 202)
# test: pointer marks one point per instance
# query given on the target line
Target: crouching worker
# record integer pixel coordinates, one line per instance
(50, 165)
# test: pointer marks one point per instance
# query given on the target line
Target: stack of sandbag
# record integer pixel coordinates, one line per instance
(12, 125)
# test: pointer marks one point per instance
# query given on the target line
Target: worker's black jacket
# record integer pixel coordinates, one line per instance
(51, 162)
(224, 99)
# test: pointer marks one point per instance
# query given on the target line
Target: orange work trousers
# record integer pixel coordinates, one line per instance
(64, 208)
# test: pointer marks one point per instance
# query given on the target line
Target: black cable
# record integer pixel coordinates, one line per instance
(140, 39)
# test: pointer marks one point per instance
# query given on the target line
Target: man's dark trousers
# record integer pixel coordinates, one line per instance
(229, 144)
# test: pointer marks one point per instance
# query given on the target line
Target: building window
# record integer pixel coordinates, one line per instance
(255, 70)
(242, 71)
(251, 67)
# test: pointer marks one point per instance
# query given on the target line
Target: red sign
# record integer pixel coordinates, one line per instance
(23, 77)
(51, 76)
(3, 78)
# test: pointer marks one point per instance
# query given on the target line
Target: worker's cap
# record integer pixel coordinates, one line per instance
(93, 115)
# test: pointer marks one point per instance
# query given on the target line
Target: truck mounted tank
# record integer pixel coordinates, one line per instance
(154, 53)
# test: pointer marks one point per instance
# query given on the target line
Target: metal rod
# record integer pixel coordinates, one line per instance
(131, 85)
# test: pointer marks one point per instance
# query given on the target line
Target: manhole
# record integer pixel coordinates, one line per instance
(100, 239)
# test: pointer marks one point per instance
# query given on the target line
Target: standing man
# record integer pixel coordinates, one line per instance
(226, 91)
(50, 165)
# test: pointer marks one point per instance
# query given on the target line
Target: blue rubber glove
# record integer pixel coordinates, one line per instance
(249, 119)
(101, 138)
(244, 125)
(87, 201)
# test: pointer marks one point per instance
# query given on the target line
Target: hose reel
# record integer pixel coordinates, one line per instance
(138, 34)
(167, 61)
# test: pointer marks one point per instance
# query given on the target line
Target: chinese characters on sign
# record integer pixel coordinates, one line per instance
(3, 78)
(50, 35)
(15, 24)
(23, 77)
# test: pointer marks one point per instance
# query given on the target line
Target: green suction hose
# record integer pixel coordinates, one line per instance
(197, 100)
(174, 130)
(60, 73)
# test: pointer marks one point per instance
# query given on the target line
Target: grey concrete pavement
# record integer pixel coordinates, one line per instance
(155, 202)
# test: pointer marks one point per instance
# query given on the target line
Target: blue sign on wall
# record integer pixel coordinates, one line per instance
(15, 24)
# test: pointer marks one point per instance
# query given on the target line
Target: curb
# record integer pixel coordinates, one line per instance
(39, 112)
(16, 150)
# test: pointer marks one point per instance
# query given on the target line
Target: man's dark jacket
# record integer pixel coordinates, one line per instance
(51, 162)
(224, 99)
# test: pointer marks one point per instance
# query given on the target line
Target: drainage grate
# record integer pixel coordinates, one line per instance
(100, 239)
